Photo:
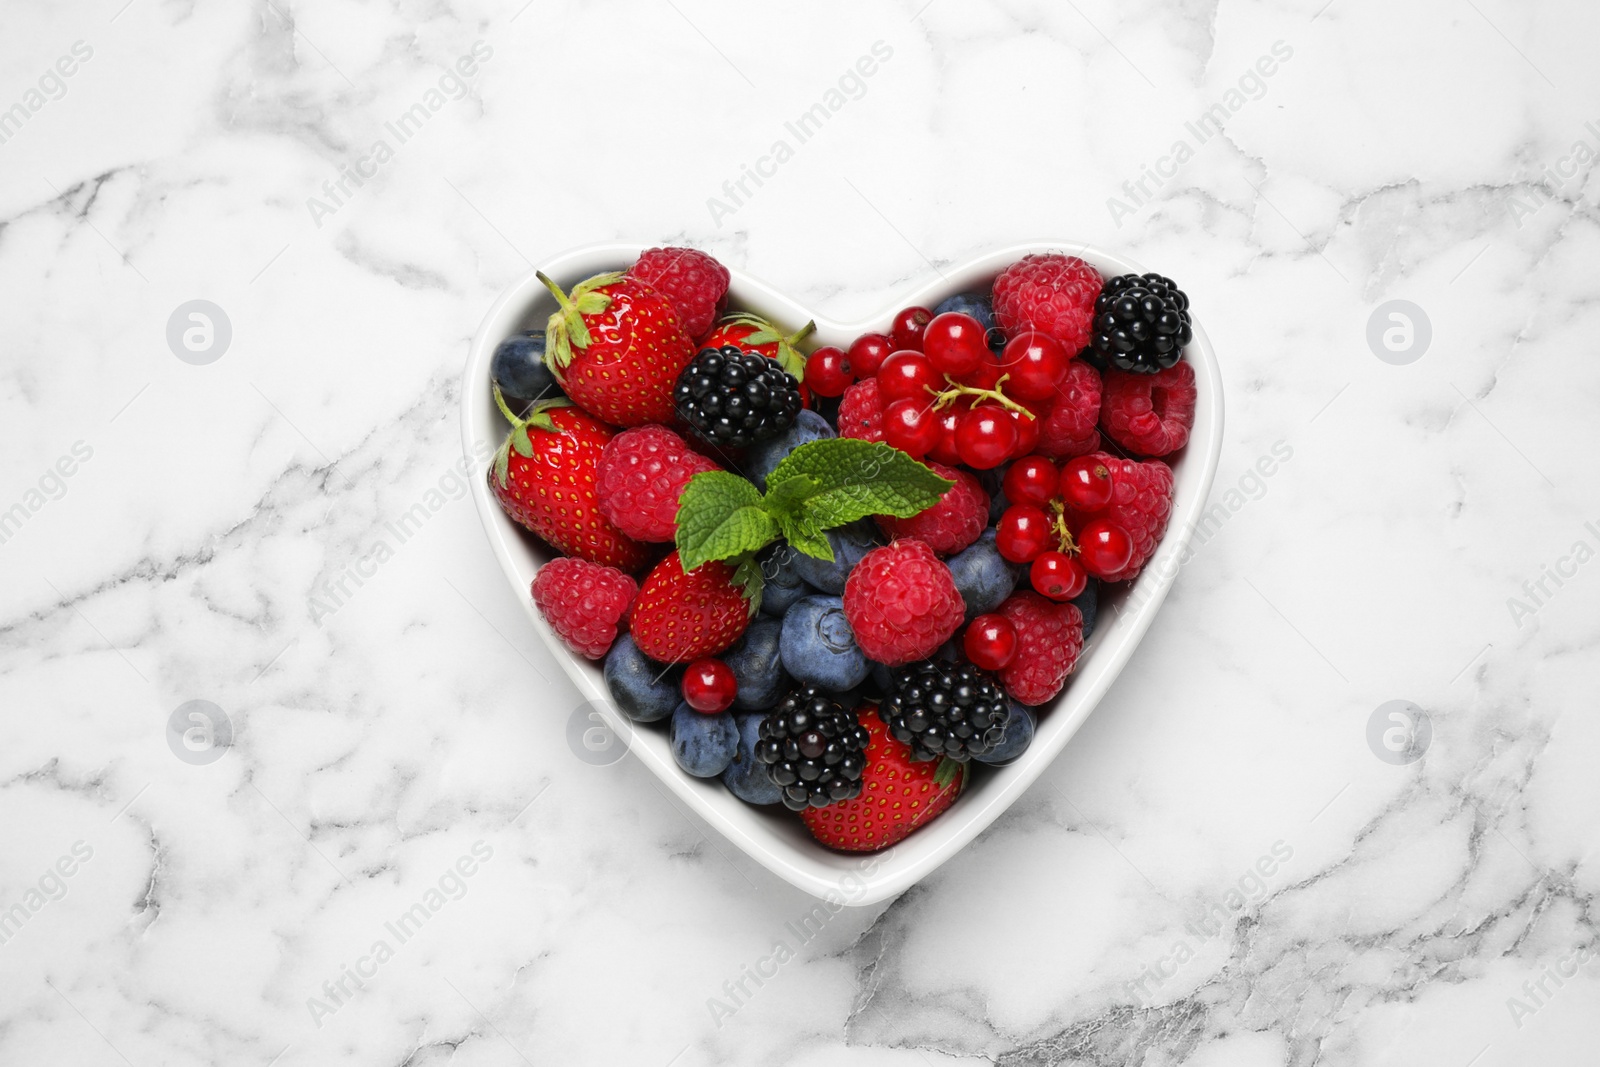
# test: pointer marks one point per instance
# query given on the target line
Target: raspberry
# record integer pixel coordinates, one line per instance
(639, 478)
(902, 603)
(1149, 414)
(1141, 503)
(1068, 430)
(1052, 293)
(954, 522)
(694, 284)
(584, 603)
(861, 411)
(1049, 639)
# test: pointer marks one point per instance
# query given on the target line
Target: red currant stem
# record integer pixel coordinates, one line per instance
(956, 389)
(1058, 522)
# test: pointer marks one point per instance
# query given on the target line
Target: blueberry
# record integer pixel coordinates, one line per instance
(981, 307)
(1088, 603)
(762, 458)
(755, 665)
(818, 646)
(849, 543)
(747, 778)
(644, 689)
(1019, 735)
(983, 577)
(703, 744)
(519, 368)
(993, 481)
(782, 584)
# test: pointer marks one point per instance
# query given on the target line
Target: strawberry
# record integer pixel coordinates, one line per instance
(544, 478)
(680, 616)
(898, 795)
(752, 333)
(617, 348)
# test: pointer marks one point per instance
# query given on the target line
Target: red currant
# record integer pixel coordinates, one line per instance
(1104, 547)
(906, 332)
(955, 343)
(828, 371)
(1036, 363)
(1027, 433)
(1023, 532)
(1086, 484)
(985, 436)
(1031, 480)
(990, 642)
(709, 686)
(912, 426)
(987, 374)
(1058, 576)
(944, 451)
(867, 353)
(908, 375)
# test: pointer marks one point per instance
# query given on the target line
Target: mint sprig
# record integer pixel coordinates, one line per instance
(818, 486)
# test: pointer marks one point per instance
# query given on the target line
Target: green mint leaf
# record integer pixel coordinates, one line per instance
(854, 479)
(786, 499)
(720, 516)
(750, 579)
(806, 536)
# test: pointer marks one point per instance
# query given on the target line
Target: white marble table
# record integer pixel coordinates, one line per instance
(351, 184)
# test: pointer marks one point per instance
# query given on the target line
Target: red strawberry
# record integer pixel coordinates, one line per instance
(680, 616)
(617, 348)
(544, 478)
(751, 333)
(696, 284)
(898, 795)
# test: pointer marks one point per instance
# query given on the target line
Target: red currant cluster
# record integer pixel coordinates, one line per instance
(1051, 524)
(946, 396)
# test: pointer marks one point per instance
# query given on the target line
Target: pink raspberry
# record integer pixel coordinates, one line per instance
(694, 284)
(1149, 414)
(1141, 503)
(1049, 640)
(1052, 293)
(902, 603)
(639, 478)
(1069, 429)
(861, 411)
(953, 523)
(585, 603)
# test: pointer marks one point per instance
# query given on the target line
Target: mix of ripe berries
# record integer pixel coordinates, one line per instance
(857, 690)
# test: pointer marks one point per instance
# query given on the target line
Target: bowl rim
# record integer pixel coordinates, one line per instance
(857, 879)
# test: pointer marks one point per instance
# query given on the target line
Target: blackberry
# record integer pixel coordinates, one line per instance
(949, 710)
(814, 750)
(735, 398)
(1141, 323)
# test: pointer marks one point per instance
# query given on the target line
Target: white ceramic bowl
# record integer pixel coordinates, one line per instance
(773, 836)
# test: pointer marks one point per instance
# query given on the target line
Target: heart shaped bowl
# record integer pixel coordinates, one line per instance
(772, 836)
